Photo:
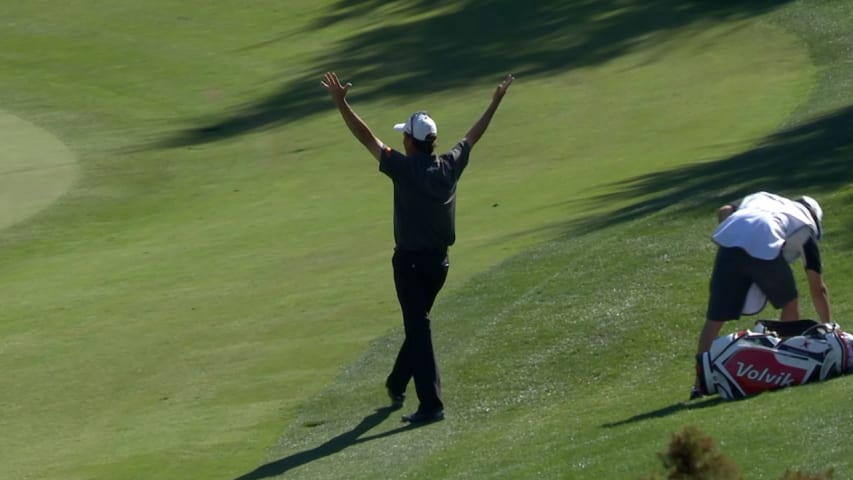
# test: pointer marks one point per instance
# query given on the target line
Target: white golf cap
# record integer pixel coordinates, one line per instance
(420, 126)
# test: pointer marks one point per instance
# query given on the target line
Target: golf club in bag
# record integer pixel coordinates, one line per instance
(774, 355)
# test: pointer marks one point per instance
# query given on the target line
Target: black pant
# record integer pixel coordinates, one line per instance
(418, 277)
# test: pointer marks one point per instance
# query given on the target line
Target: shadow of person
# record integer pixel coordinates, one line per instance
(667, 411)
(330, 447)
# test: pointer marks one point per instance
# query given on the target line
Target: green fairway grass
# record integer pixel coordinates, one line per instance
(212, 297)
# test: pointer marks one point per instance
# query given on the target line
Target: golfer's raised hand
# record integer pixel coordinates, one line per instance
(503, 87)
(337, 91)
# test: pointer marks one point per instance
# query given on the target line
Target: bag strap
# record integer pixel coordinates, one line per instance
(788, 329)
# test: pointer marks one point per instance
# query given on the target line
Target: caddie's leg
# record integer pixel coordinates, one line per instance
(790, 311)
(776, 280)
(710, 331)
(728, 288)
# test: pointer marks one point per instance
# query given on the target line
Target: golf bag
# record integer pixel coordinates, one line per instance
(774, 355)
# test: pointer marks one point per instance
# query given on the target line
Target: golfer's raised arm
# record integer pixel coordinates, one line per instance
(474, 134)
(356, 125)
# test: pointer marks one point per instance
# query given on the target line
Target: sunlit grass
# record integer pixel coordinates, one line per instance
(179, 308)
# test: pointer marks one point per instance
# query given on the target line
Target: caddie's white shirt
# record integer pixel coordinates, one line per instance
(763, 223)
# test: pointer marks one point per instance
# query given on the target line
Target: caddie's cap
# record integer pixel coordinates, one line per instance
(815, 210)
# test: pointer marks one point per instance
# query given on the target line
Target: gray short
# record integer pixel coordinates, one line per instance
(735, 271)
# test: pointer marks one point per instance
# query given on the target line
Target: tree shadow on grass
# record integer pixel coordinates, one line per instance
(809, 159)
(330, 447)
(449, 44)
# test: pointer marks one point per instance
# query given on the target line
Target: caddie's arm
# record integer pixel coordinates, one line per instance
(476, 131)
(356, 125)
(726, 210)
(814, 276)
(820, 295)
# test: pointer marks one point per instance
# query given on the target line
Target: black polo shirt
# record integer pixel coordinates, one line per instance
(425, 196)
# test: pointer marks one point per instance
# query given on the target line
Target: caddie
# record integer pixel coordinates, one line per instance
(758, 237)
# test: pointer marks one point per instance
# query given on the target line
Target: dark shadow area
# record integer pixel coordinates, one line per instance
(465, 42)
(667, 411)
(330, 447)
(807, 159)
(847, 221)
(704, 402)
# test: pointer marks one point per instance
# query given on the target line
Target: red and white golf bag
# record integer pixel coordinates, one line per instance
(752, 361)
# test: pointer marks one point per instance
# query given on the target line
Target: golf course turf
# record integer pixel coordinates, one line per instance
(195, 271)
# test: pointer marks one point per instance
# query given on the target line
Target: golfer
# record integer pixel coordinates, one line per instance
(424, 228)
(758, 237)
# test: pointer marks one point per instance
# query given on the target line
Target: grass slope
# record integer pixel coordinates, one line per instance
(572, 360)
(224, 251)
